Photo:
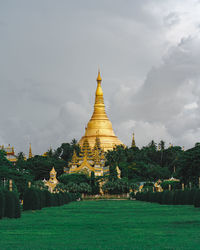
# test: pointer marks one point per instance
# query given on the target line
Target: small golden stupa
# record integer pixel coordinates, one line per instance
(30, 155)
(52, 182)
(99, 124)
(133, 145)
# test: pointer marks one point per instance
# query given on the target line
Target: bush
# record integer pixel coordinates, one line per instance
(167, 197)
(48, 200)
(132, 195)
(37, 199)
(9, 204)
(31, 199)
(185, 197)
(178, 197)
(74, 178)
(41, 196)
(17, 206)
(119, 186)
(2, 203)
(159, 197)
(197, 198)
(154, 197)
(53, 200)
(190, 196)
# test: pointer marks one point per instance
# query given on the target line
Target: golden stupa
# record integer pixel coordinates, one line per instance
(99, 124)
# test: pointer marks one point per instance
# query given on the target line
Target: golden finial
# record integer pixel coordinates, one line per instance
(30, 152)
(53, 171)
(99, 91)
(99, 79)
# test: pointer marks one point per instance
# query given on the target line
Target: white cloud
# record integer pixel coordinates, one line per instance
(192, 105)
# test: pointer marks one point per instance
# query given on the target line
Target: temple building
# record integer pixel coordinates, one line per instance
(10, 153)
(99, 137)
(89, 160)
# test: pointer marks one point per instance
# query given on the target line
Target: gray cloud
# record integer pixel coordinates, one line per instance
(148, 53)
(168, 101)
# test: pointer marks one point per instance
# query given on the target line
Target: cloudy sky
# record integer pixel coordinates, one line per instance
(148, 52)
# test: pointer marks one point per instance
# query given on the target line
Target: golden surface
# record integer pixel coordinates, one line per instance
(10, 153)
(99, 124)
(52, 182)
(89, 159)
(30, 152)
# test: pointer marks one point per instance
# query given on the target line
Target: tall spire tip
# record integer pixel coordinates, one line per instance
(99, 76)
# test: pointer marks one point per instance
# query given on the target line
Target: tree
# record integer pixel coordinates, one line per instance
(189, 166)
(74, 178)
(65, 151)
(118, 186)
(40, 166)
(94, 184)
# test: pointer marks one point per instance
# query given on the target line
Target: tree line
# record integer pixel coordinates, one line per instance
(146, 164)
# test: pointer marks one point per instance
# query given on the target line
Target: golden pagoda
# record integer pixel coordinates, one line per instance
(99, 124)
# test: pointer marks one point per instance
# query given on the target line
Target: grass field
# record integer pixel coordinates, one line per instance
(104, 225)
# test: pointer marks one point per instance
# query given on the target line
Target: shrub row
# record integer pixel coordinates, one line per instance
(177, 197)
(35, 199)
(9, 204)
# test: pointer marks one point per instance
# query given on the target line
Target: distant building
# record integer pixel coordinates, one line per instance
(89, 160)
(10, 153)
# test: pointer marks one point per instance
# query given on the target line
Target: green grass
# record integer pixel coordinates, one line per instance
(104, 225)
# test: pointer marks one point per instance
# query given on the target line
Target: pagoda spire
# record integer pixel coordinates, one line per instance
(133, 141)
(100, 122)
(30, 152)
(99, 92)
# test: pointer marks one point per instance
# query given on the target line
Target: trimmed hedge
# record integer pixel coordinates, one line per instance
(31, 199)
(2, 203)
(35, 199)
(197, 198)
(9, 211)
(177, 197)
(9, 204)
(17, 206)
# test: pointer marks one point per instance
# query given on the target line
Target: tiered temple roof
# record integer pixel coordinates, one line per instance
(89, 159)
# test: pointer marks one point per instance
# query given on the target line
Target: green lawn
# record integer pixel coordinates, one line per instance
(104, 225)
